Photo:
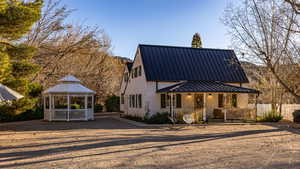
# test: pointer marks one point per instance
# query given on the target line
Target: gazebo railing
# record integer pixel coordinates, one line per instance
(72, 114)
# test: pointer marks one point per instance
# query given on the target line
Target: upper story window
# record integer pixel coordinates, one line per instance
(136, 72)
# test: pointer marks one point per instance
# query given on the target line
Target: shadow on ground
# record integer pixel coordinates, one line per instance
(166, 140)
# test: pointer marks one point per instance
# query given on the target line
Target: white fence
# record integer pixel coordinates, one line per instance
(286, 110)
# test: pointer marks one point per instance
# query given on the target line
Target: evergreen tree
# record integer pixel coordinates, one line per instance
(16, 19)
(196, 43)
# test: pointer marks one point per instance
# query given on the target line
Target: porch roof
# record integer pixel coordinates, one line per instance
(206, 86)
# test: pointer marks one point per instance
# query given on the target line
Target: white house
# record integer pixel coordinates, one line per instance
(197, 80)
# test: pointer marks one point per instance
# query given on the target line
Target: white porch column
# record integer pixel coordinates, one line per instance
(225, 106)
(204, 107)
(85, 106)
(68, 113)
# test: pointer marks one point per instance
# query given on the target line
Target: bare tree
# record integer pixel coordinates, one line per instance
(262, 30)
(79, 50)
(295, 5)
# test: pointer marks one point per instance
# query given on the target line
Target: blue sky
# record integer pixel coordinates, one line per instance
(162, 22)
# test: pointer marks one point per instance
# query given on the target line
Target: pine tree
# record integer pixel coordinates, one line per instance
(16, 19)
(196, 43)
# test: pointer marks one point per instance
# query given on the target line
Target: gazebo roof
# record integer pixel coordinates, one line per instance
(70, 84)
(69, 78)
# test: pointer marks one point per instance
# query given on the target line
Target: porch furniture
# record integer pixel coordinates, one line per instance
(68, 101)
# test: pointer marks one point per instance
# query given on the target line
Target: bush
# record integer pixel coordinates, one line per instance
(98, 108)
(5, 116)
(112, 104)
(134, 118)
(75, 106)
(296, 116)
(159, 118)
(271, 116)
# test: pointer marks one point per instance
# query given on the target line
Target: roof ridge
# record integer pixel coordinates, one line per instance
(170, 46)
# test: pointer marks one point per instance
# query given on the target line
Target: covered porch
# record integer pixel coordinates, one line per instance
(208, 101)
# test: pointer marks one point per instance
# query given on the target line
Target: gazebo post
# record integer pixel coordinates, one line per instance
(85, 106)
(68, 115)
(92, 107)
(44, 97)
(50, 107)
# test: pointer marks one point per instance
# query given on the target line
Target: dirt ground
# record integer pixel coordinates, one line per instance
(110, 143)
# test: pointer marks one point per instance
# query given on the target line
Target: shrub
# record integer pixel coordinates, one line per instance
(98, 108)
(5, 116)
(296, 116)
(112, 104)
(159, 118)
(271, 116)
(134, 118)
(75, 106)
(179, 118)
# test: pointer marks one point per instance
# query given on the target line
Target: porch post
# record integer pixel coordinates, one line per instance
(171, 104)
(225, 106)
(204, 107)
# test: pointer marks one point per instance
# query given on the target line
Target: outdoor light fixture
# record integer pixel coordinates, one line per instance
(209, 95)
(189, 95)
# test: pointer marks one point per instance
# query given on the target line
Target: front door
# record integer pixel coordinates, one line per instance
(198, 105)
(199, 101)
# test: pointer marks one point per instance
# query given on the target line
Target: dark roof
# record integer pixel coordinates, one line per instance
(129, 66)
(170, 63)
(206, 86)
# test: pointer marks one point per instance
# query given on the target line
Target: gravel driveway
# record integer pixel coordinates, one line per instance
(110, 143)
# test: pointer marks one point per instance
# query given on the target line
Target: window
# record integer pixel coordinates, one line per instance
(178, 100)
(122, 98)
(140, 100)
(133, 101)
(140, 71)
(221, 100)
(234, 100)
(163, 100)
(129, 100)
(135, 72)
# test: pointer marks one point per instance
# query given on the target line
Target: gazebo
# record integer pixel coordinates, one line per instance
(68, 101)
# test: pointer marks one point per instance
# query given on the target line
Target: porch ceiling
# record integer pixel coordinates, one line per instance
(206, 86)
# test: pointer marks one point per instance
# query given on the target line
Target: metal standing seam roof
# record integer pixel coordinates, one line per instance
(170, 63)
(69, 84)
(206, 86)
